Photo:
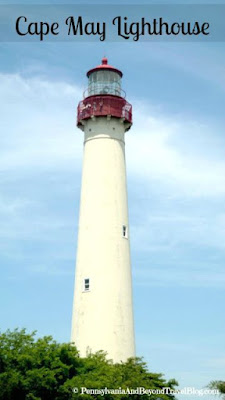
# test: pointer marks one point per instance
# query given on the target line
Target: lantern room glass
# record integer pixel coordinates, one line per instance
(104, 82)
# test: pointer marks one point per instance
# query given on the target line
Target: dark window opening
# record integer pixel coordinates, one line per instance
(125, 231)
(86, 284)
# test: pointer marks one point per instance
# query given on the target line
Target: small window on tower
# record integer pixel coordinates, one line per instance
(86, 284)
(125, 231)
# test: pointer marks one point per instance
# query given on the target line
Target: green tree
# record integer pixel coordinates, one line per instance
(42, 369)
(219, 385)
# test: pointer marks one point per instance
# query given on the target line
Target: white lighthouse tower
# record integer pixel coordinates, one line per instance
(103, 310)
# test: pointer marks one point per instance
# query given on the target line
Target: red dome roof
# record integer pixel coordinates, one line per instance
(104, 66)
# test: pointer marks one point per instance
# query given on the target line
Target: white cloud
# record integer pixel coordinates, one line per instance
(156, 152)
(38, 123)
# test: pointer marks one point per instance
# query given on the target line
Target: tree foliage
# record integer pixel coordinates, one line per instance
(42, 369)
(219, 385)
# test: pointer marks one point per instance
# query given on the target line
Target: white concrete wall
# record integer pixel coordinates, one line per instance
(103, 317)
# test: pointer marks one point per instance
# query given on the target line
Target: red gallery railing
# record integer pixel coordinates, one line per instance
(105, 105)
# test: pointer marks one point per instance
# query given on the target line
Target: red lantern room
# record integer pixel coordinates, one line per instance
(104, 96)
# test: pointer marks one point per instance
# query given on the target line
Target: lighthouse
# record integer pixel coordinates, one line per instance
(103, 308)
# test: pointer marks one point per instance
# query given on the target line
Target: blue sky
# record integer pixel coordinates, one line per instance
(175, 168)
